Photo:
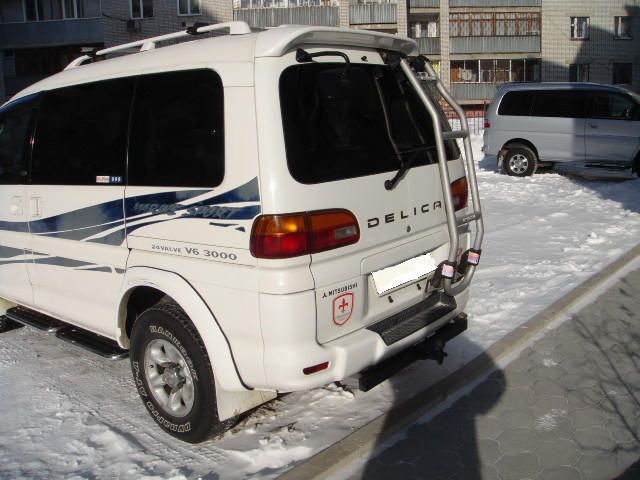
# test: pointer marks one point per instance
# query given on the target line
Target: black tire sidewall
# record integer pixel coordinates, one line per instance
(161, 323)
(527, 152)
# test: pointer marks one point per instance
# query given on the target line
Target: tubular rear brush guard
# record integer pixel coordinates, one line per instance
(446, 272)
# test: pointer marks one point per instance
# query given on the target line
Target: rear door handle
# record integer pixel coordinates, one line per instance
(36, 207)
(593, 125)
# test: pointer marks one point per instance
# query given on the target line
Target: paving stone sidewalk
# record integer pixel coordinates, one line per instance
(567, 408)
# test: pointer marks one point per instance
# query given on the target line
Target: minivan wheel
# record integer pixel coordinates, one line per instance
(520, 161)
(173, 374)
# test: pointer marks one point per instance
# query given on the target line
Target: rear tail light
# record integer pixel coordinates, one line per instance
(487, 123)
(460, 193)
(292, 235)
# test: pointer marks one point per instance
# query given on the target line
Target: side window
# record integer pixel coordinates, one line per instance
(516, 103)
(613, 106)
(177, 130)
(15, 122)
(560, 103)
(81, 134)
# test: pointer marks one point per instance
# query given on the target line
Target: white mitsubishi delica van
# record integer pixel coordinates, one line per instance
(241, 214)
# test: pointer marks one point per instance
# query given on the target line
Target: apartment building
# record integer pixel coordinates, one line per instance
(474, 44)
(592, 41)
(40, 37)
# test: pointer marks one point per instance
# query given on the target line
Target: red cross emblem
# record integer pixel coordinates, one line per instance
(342, 308)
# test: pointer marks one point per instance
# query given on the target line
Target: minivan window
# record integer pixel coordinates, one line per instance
(177, 130)
(516, 103)
(560, 103)
(81, 134)
(15, 121)
(335, 126)
(612, 105)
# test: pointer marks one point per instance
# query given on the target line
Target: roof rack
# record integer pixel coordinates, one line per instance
(235, 28)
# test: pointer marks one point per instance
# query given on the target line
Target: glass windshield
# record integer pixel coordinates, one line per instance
(335, 121)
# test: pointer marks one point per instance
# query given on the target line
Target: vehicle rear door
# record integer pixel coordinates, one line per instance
(613, 128)
(75, 202)
(347, 130)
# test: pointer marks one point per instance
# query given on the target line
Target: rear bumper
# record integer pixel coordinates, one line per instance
(351, 353)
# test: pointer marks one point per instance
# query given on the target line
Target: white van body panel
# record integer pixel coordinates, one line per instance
(617, 141)
(15, 241)
(79, 252)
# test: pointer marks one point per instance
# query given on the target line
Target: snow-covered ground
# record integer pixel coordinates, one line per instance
(66, 413)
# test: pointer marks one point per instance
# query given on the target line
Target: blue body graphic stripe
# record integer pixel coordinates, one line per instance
(91, 221)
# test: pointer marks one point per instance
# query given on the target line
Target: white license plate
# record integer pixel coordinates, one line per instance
(406, 272)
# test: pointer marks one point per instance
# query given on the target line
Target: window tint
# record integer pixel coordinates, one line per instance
(612, 105)
(335, 127)
(177, 130)
(15, 123)
(560, 103)
(516, 103)
(81, 134)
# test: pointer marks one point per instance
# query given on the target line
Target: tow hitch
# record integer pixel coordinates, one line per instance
(431, 348)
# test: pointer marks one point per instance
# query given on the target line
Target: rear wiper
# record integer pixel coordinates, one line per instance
(408, 163)
(302, 56)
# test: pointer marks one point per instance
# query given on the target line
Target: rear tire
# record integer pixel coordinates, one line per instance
(520, 161)
(173, 374)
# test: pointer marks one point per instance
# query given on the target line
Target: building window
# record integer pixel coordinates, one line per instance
(11, 11)
(189, 7)
(579, 72)
(622, 73)
(579, 28)
(43, 10)
(490, 24)
(622, 27)
(141, 8)
(495, 71)
(428, 28)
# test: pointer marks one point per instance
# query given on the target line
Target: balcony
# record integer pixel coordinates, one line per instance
(499, 44)
(272, 17)
(424, 4)
(428, 45)
(495, 3)
(372, 13)
(56, 32)
(473, 91)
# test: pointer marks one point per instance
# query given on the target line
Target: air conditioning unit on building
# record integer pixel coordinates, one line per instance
(133, 26)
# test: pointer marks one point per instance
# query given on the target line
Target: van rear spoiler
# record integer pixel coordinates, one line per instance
(276, 42)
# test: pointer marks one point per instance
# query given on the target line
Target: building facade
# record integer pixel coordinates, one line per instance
(474, 44)
(40, 37)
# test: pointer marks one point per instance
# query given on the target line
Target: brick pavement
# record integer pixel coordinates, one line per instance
(568, 407)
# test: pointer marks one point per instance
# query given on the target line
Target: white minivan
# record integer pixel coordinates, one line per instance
(240, 214)
(532, 124)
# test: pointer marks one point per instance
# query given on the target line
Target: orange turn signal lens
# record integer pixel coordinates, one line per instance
(292, 235)
(460, 193)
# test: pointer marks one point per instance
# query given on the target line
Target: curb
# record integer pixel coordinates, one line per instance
(363, 441)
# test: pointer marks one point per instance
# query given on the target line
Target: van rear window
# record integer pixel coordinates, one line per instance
(335, 125)
(516, 103)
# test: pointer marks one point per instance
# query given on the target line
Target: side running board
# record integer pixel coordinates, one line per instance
(467, 266)
(90, 341)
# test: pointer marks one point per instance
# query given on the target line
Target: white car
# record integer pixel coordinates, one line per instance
(530, 124)
(244, 214)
